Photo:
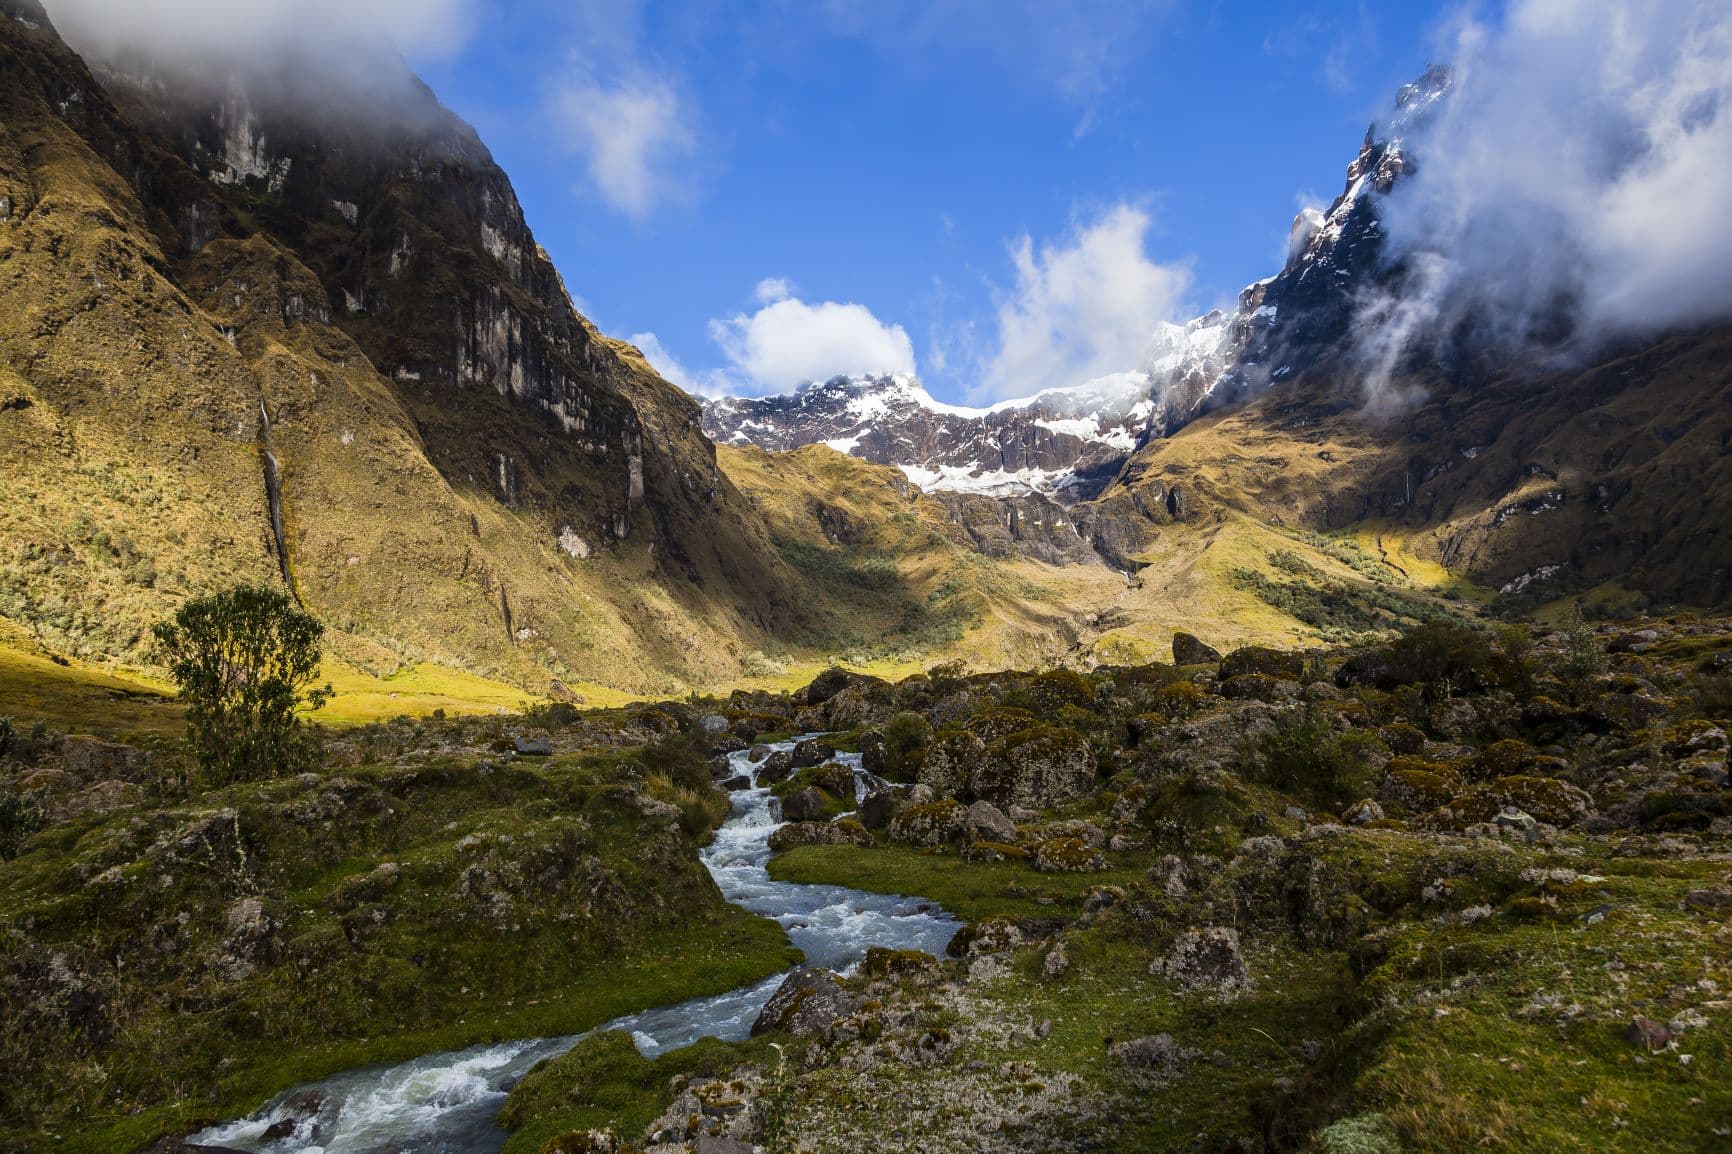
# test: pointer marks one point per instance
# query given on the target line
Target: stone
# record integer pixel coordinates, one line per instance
(951, 762)
(1159, 1052)
(532, 747)
(993, 935)
(808, 1002)
(1188, 650)
(1647, 1034)
(1086, 832)
(1709, 899)
(799, 833)
(713, 724)
(1068, 855)
(930, 824)
(759, 752)
(804, 805)
(737, 783)
(1038, 768)
(987, 822)
(1056, 963)
(828, 684)
(1276, 663)
(1363, 813)
(1207, 959)
(1103, 898)
(776, 768)
(812, 752)
(878, 808)
(1512, 818)
(711, 1144)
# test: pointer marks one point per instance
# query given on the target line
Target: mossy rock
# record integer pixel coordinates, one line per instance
(1544, 798)
(1037, 768)
(1418, 786)
(998, 721)
(950, 761)
(1276, 663)
(990, 935)
(1071, 855)
(885, 963)
(1258, 687)
(1688, 738)
(1057, 688)
(1403, 740)
(1505, 758)
(1179, 699)
(994, 851)
(931, 824)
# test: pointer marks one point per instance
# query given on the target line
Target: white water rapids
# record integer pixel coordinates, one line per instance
(446, 1103)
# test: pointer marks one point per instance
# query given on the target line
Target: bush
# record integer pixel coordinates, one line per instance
(904, 737)
(245, 660)
(1303, 754)
(20, 816)
(8, 736)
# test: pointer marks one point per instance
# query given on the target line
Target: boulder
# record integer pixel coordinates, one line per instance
(1188, 650)
(1277, 663)
(878, 808)
(1070, 855)
(93, 760)
(1207, 959)
(1363, 813)
(951, 762)
(993, 935)
(532, 747)
(713, 724)
(828, 684)
(736, 783)
(800, 833)
(805, 804)
(1037, 768)
(988, 823)
(812, 752)
(808, 1002)
(930, 824)
(776, 768)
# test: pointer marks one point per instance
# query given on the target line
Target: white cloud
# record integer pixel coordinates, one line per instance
(773, 288)
(202, 31)
(788, 342)
(1576, 179)
(664, 362)
(1084, 308)
(634, 133)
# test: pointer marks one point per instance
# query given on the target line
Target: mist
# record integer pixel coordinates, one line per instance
(1573, 188)
(312, 52)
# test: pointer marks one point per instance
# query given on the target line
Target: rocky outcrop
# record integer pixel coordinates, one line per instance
(1036, 768)
(808, 1002)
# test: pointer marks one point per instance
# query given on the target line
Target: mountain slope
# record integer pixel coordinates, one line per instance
(469, 472)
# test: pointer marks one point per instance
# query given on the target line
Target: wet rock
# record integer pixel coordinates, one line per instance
(776, 768)
(737, 783)
(812, 752)
(804, 805)
(878, 808)
(987, 822)
(1188, 650)
(1207, 959)
(930, 824)
(808, 1001)
(182, 1146)
(801, 833)
(759, 752)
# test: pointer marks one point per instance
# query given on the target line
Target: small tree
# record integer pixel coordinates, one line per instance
(245, 659)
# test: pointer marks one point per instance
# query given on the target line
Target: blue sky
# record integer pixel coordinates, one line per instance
(1022, 188)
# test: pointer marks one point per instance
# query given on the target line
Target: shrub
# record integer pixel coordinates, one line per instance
(702, 809)
(1302, 753)
(20, 816)
(245, 660)
(8, 736)
(1583, 659)
(905, 736)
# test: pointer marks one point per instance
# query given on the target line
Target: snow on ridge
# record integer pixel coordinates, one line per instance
(994, 483)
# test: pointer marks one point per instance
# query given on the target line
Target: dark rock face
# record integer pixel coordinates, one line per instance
(807, 1002)
(1188, 650)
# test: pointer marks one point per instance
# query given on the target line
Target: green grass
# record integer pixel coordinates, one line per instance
(971, 891)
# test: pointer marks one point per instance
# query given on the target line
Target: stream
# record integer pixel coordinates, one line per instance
(447, 1103)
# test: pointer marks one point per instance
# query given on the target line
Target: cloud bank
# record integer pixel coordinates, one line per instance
(197, 32)
(788, 342)
(1573, 187)
(1083, 308)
